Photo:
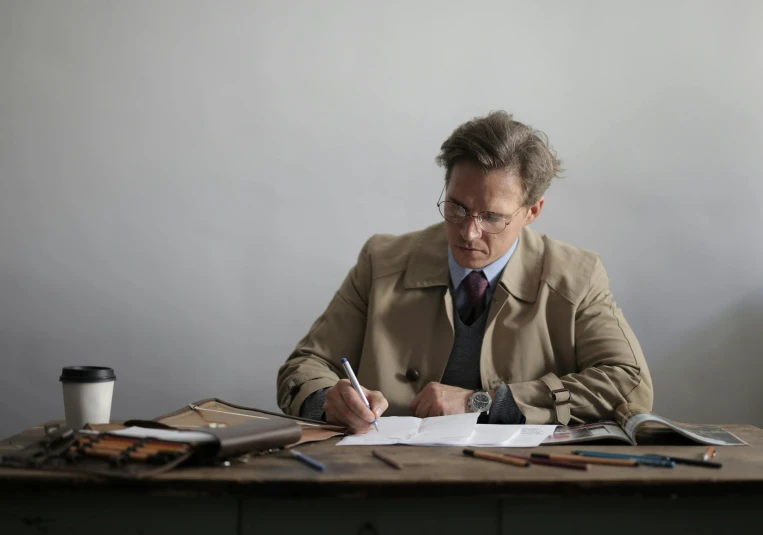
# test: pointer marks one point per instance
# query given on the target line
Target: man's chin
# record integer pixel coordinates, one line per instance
(471, 259)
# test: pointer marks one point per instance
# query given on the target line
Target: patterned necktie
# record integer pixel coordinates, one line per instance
(476, 287)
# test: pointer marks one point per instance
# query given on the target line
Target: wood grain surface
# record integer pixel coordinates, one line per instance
(435, 471)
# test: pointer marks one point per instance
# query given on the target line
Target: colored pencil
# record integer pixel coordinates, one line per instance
(648, 460)
(588, 460)
(393, 463)
(551, 462)
(496, 457)
(131, 440)
(110, 442)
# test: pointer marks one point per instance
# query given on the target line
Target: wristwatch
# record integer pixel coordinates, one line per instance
(480, 401)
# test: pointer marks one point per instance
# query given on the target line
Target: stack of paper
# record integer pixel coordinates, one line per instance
(456, 430)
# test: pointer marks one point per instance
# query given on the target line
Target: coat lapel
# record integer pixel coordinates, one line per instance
(428, 268)
(521, 277)
(428, 262)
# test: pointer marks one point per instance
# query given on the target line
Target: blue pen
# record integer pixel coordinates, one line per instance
(682, 460)
(312, 463)
(356, 384)
(642, 459)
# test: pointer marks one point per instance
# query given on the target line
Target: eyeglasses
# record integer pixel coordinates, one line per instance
(490, 222)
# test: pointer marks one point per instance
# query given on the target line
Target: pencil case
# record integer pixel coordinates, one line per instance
(115, 455)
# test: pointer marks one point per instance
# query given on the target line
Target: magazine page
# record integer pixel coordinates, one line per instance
(587, 432)
(631, 416)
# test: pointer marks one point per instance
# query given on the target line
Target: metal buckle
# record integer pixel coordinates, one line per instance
(557, 401)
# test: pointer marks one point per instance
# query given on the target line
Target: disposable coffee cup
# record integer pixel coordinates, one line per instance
(87, 394)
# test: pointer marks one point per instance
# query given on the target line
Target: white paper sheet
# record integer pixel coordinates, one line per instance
(455, 430)
(411, 430)
(444, 429)
(531, 436)
(492, 435)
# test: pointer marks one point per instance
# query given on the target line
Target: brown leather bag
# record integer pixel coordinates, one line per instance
(235, 431)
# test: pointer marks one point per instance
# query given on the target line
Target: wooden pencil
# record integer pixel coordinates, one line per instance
(551, 462)
(585, 460)
(496, 457)
(163, 447)
(392, 462)
(156, 449)
(115, 454)
(148, 441)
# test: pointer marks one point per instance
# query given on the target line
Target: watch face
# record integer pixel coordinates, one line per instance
(480, 401)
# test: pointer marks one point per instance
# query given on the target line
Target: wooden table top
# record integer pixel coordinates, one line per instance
(433, 471)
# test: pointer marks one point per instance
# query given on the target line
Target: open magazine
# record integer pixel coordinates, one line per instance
(634, 422)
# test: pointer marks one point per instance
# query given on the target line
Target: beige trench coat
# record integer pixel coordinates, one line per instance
(553, 334)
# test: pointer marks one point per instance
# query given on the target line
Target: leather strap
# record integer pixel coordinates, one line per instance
(560, 396)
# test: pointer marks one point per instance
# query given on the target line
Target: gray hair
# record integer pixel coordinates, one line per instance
(496, 142)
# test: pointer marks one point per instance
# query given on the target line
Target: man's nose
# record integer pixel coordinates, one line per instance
(470, 228)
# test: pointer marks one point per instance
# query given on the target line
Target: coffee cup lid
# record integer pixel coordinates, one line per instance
(87, 374)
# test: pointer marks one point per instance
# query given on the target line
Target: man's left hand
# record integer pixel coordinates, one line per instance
(437, 399)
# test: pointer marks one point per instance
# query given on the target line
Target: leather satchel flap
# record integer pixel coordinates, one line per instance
(257, 435)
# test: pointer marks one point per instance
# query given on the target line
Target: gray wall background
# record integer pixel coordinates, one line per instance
(184, 184)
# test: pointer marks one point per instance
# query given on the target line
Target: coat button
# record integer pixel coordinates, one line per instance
(412, 375)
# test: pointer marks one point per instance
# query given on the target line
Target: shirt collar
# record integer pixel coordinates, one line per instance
(492, 271)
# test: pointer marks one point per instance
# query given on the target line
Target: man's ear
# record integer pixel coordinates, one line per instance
(534, 211)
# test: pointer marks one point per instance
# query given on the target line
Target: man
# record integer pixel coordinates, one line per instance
(476, 313)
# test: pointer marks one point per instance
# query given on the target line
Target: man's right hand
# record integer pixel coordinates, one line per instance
(344, 406)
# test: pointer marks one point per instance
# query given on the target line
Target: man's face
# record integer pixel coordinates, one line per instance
(477, 191)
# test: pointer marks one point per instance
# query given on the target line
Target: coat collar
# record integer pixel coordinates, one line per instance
(428, 263)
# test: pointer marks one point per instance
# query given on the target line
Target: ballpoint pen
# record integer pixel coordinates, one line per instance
(312, 463)
(356, 385)
(684, 460)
